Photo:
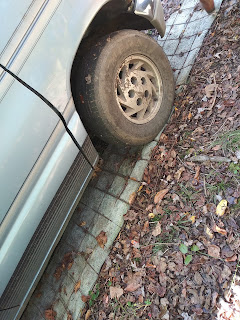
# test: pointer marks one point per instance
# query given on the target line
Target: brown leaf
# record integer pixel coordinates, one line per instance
(159, 290)
(157, 230)
(231, 259)
(196, 177)
(130, 215)
(215, 228)
(87, 315)
(69, 316)
(134, 282)
(85, 298)
(132, 198)
(214, 251)
(50, 314)
(115, 292)
(101, 239)
(178, 174)
(77, 286)
(210, 89)
(160, 195)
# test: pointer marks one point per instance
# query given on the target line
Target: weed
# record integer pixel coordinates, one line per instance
(130, 309)
(94, 295)
(230, 141)
(234, 168)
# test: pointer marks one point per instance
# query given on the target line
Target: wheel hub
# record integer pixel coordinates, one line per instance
(139, 89)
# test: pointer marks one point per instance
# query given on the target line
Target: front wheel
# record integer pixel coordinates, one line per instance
(124, 88)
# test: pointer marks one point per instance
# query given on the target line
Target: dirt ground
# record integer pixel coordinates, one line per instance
(178, 254)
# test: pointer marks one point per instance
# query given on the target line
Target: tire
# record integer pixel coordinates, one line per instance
(124, 88)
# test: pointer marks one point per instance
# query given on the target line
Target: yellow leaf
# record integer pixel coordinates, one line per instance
(209, 233)
(151, 215)
(192, 218)
(189, 116)
(140, 188)
(221, 208)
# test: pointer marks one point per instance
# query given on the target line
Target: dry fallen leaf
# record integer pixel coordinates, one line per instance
(209, 233)
(210, 89)
(134, 282)
(85, 298)
(214, 251)
(115, 292)
(192, 218)
(77, 286)
(87, 315)
(215, 228)
(178, 174)
(160, 195)
(221, 208)
(132, 198)
(157, 230)
(101, 239)
(50, 314)
(130, 215)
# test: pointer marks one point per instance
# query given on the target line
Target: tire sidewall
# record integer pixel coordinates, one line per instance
(118, 47)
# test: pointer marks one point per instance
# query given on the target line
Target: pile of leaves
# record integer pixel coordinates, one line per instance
(178, 254)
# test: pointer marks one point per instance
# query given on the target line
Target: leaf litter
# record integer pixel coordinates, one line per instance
(178, 253)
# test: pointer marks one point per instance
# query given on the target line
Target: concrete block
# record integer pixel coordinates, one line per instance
(177, 61)
(77, 268)
(32, 313)
(98, 258)
(118, 211)
(88, 279)
(197, 43)
(105, 180)
(113, 163)
(185, 44)
(170, 46)
(183, 16)
(170, 21)
(147, 150)
(189, 4)
(198, 15)
(85, 216)
(75, 237)
(75, 305)
(107, 205)
(87, 245)
(131, 187)
(183, 75)
(92, 198)
(61, 310)
(66, 290)
(138, 170)
(193, 28)
(176, 31)
(192, 55)
(44, 296)
(126, 167)
(117, 186)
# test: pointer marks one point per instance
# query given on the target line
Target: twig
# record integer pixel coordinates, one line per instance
(204, 186)
(163, 243)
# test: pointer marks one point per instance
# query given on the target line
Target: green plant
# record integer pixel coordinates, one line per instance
(129, 309)
(234, 168)
(230, 141)
(184, 249)
(94, 295)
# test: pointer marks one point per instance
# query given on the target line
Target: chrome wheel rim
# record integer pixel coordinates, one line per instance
(139, 89)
